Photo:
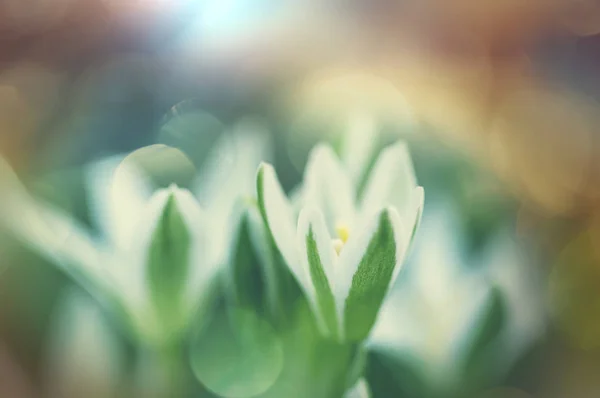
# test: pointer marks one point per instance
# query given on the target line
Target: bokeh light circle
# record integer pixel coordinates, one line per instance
(237, 355)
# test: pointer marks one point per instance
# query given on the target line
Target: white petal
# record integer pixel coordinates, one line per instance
(521, 285)
(391, 183)
(469, 299)
(228, 175)
(398, 326)
(205, 249)
(82, 350)
(354, 250)
(328, 186)
(49, 231)
(118, 191)
(280, 218)
(439, 256)
(296, 196)
(188, 206)
(128, 268)
(259, 236)
(415, 212)
(230, 170)
(359, 146)
(312, 218)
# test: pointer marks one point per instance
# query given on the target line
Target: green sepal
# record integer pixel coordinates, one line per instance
(391, 375)
(288, 289)
(324, 295)
(482, 346)
(371, 281)
(167, 267)
(248, 284)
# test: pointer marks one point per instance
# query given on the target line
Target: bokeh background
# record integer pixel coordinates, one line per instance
(497, 99)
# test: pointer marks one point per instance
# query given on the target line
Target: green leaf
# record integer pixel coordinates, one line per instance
(418, 218)
(479, 352)
(288, 288)
(325, 299)
(314, 367)
(390, 375)
(370, 282)
(168, 264)
(260, 190)
(358, 365)
(247, 274)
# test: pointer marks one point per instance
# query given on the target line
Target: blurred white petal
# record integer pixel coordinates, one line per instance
(328, 186)
(359, 146)
(229, 174)
(118, 191)
(432, 314)
(230, 169)
(520, 283)
(204, 259)
(392, 182)
(83, 355)
(261, 242)
(49, 231)
(280, 218)
(128, 265)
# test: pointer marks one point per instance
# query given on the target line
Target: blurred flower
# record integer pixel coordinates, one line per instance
(452, 320)
(83, 355)
(345, 255)
(160, 250)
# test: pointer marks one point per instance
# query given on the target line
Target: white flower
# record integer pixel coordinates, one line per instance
(436, 314)
(159, 251)
(345, 253)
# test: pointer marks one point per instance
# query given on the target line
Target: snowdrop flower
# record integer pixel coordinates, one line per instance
(434, 318)
(159, 251)
(344, 253)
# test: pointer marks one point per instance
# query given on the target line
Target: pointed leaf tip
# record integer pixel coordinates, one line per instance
(167, 263)
(278, 216)
(372, 279)
(322, 285)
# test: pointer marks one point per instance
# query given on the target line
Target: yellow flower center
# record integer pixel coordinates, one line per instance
(343, 233)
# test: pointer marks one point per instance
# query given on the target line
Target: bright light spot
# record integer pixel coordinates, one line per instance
(226, 17)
